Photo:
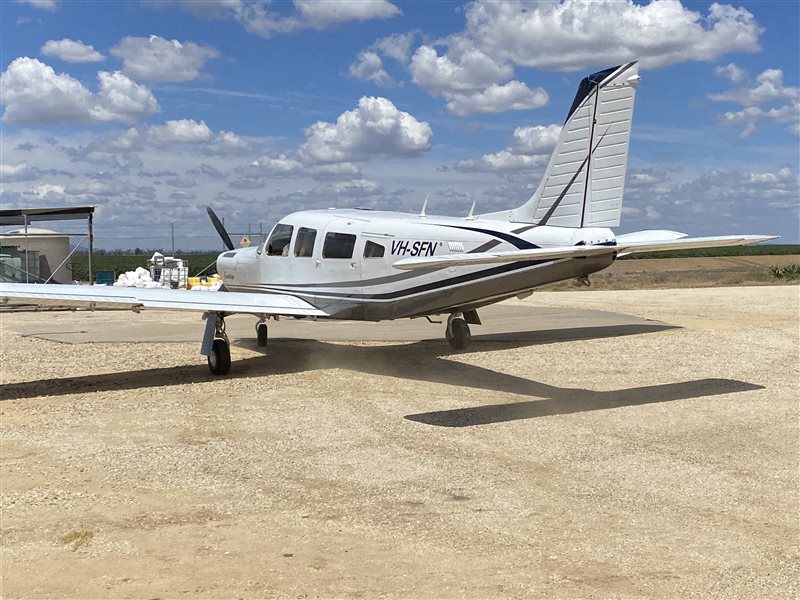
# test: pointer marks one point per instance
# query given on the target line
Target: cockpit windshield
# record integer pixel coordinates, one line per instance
(278, 243)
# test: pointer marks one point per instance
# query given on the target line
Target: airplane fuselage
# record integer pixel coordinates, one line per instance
(340, 261)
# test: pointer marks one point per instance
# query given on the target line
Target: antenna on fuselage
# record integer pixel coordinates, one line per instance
(424, 206)
(471, 214)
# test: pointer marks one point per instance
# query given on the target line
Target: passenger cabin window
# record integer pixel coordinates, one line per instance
(278, 243)
(338, 245)
(373, 250)
(304, 244)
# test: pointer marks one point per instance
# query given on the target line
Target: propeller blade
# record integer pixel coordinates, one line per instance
(226, 239)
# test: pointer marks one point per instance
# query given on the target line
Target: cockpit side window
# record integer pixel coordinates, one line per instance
(338, 245)
(278, 243)
(304, 243)
(373, 250)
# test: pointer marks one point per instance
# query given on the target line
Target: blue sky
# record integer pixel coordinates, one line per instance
(154, 110)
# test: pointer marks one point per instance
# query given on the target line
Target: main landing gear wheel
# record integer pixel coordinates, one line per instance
(219, 361)
(458, 334)
(262, 333)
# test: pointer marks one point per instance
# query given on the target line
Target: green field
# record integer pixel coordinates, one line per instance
(763, 250)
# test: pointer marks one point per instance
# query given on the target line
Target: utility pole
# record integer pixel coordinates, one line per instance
(172, 233)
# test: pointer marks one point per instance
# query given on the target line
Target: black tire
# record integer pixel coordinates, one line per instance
(461, 336)
(262, 333)
(219, 361)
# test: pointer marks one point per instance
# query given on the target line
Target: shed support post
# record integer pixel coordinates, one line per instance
(91, 249)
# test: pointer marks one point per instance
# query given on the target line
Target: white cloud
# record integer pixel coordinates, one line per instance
(575, 35)
(180, 131)
(157, 59)
(538, 139)
(74, 51)
(50, 5)
(323, 14)
(767, 89)
(513, 95)
(396, 46)
(530, 149)
(471, 71)
(502, 161)
(368, 66)
(32, 92)
(375, 128)
(769, 86)
(731, 72)
(256, 18)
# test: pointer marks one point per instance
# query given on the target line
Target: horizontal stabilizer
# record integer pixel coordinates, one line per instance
(632, 247)
(101, 296)
(565, 252)
(651, 235)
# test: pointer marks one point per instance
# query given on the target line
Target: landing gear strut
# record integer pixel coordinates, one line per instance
(457, 332)
(216, 346)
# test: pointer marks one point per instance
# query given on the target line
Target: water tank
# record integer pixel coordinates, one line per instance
(40, 251)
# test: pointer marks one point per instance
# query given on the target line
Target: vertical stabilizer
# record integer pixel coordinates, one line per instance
(583, 183)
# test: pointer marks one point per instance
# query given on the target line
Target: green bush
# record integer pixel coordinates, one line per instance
(785, 271)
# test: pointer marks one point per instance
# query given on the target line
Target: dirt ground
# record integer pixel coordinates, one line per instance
(701, 271)
(618, 461)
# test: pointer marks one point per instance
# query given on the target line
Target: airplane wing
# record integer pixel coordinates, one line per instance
(666, 242)
(101, 296)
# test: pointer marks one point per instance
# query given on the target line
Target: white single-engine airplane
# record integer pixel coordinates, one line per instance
(373, 266)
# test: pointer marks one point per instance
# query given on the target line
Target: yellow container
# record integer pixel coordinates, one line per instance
(193, 281)
(213, 279)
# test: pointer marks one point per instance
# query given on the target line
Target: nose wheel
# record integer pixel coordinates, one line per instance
(457, 333)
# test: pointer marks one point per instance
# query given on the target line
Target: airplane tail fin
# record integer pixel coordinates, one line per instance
(583, 183)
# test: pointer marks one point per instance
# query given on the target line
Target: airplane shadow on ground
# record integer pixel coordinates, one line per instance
(422, 361)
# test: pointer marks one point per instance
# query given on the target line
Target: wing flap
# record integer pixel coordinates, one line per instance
(88, 296)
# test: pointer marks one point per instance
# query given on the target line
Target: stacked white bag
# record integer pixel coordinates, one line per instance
(139, 278)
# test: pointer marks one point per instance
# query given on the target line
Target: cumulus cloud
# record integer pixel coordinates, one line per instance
(375, 128)
(530, 149)
(256, 18)
(469, 71)
(320, 15)
(574, 35)
(160, 60)
(474, 68)
(513, 95)
(368, 66)
(74, 51)
(766, 99)
(718, 202)
(51, 5)
(32, 92)
(119, 148)
(468, 80)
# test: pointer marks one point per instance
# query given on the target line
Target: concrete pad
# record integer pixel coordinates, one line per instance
(501, 323)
